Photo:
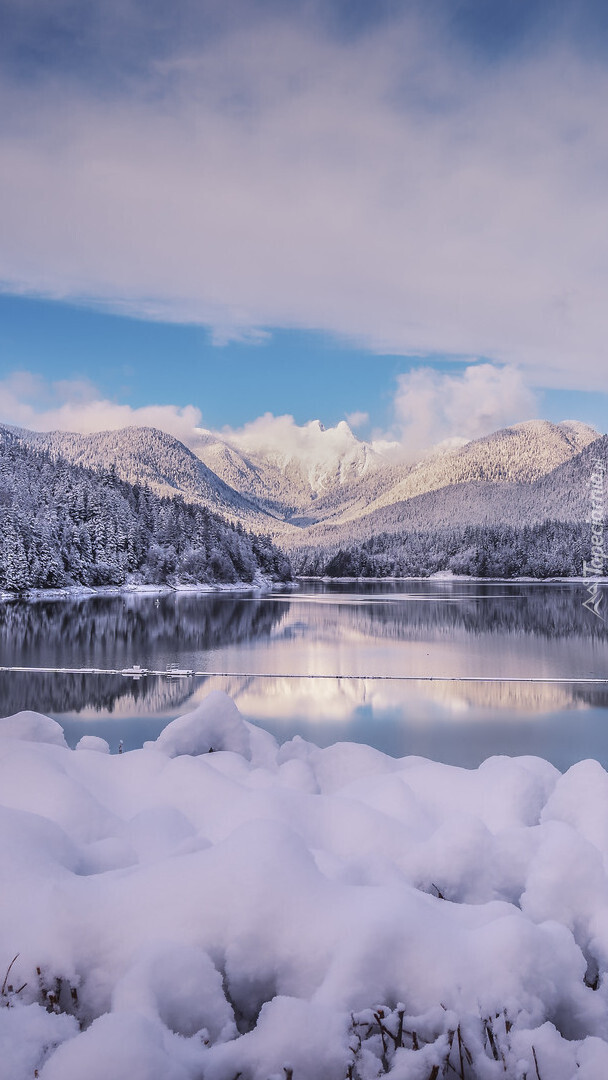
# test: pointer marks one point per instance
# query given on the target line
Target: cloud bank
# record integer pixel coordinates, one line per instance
(431, 407)
(428, 407)
(383, 185)
(31, 402)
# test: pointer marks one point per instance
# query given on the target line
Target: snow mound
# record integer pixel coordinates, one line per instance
(93, 742)
(32, 727)
(27, 1034)
(178, 986)
(272, 912)
(216, 724)
(123, 1047)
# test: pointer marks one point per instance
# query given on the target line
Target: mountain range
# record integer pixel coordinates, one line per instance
(316, 484)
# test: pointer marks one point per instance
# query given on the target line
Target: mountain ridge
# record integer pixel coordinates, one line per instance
(329, 482)
(560, 495)
(146, 456)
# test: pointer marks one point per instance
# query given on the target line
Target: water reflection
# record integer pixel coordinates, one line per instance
(92, 695)
(117, 631)
(436, 630)
(445, 607)
(430, 720)
(430, 629)
(319, 700)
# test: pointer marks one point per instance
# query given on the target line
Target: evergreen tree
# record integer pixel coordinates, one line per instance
(65, 524)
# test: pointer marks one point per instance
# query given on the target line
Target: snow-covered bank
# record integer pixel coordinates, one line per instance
(267, 912)
(79, 592)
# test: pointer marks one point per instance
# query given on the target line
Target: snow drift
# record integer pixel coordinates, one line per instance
(272, 912)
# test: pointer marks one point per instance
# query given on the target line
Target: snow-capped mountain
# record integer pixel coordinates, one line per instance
(287, 466)
(142, 455)
(323, 457)
(299, 482)
(561, 494)
(522, 453)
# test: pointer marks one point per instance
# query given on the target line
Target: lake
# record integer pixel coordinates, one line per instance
(367, 662)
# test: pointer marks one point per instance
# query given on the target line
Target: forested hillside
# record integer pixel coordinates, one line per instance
(327, 486)
(148, 457)
(93, 510)
(468, 484)
(63, 524)
(548, 549)
(561, 495)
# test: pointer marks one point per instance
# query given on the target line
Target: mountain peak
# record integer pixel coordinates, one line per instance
(298, 461)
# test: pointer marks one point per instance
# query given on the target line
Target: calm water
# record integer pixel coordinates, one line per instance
(352, 634)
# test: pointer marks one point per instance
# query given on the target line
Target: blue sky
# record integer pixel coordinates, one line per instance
(138, 362)
(289, 208)
(142, 362)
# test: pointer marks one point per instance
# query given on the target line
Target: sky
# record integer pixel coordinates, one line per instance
(390, 212)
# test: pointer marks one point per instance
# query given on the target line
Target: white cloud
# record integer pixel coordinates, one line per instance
(428, 408)
(282, 438)
(381, 188)
(31, 402)
(431, 407)
(357, 419)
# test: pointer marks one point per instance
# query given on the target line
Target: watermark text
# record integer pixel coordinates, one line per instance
(595, 568)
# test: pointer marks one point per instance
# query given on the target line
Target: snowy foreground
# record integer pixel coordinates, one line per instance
(265, 912)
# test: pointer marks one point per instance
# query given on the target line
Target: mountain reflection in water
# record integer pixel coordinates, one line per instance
(350, 633)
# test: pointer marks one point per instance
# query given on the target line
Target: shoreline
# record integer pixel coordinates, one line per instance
(442, 576)
(83, 592)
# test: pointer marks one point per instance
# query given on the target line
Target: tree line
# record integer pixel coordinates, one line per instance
(63, 524)
(546, 549)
